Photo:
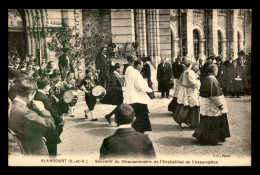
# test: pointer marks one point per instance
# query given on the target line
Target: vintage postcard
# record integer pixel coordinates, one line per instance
(129, 87)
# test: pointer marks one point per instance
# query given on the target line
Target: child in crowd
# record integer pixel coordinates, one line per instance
(86, 85)
(70, 84)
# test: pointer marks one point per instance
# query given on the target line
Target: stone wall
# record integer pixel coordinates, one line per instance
(165, 33)
(122, 26)
(248, 32)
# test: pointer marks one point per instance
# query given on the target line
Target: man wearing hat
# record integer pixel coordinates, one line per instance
(126, 142)
(52, 137)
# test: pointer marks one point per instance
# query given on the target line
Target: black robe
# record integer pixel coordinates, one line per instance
(211, 129)
(146, 73)
(164, 75)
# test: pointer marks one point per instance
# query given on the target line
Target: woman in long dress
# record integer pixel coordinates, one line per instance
(213, 126)
(186, 113)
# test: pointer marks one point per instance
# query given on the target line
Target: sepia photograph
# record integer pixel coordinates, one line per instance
(129, 87)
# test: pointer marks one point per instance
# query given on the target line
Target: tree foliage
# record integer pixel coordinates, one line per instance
(96, 37)
(127, 49)
(66, 39)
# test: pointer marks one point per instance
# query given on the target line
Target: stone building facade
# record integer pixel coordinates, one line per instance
(168, 33)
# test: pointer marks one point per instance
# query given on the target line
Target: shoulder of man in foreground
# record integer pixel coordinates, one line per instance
(127, 132)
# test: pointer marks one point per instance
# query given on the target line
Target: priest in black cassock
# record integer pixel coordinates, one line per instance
(213, 127)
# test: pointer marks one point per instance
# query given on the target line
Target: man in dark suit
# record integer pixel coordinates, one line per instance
(115, 93)
(14, 145)
(126, 142)
(146, 72)
(103, 65)
(227, 66)
(204, 68)
(164, 75)
(30, 125)
(52, 137)
(64, 63)
(176, 68)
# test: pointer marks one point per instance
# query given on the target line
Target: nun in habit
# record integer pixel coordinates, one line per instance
(186, 113)
(213, 126)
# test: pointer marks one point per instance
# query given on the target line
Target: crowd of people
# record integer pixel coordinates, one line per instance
(36, 106)
(199, 91)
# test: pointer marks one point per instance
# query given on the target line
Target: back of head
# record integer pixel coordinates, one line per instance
(137, 62)
(195, 66)
(130, 59)
(13, 73)
(21, 77)
(49, 65)
(116, 66)
(42, 82)
(55, 73)
(186, 61)
(144, 59)
(124, 114)
(178, 58)
(211, 69)
(25, 87)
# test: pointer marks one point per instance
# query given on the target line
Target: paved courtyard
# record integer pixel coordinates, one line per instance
(83, 137)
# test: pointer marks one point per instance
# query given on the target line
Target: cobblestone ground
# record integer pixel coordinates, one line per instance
(84, 137)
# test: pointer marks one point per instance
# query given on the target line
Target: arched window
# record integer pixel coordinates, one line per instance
(196, 43)
(219, 43)
(15, 22)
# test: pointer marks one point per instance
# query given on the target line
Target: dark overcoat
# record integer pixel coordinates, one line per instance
(164, 75)
(114, 95)
(176, 70)
(52, 137)
(102, 65)
(126, 142)
(30, 127)
(146, 73)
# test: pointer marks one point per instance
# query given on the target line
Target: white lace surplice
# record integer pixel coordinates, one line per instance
(208, 106)
(188, 96)
(176, 89)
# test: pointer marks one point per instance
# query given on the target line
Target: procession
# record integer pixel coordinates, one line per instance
(49, 101)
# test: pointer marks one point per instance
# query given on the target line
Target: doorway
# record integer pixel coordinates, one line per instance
(17, 45)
